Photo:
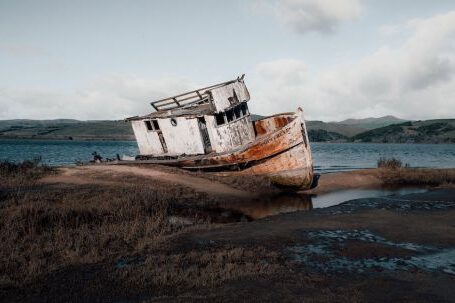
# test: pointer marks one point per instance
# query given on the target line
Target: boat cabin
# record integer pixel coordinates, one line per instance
(211, 119)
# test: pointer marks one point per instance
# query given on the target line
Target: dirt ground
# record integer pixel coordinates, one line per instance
(386, 249)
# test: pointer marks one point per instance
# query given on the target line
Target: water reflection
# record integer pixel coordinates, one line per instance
(266, 206)
(338, 197)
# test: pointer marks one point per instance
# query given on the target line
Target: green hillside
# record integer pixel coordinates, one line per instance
(334, 127)
(372, 123)
(320, 135)
(66, 129)
(429, 131)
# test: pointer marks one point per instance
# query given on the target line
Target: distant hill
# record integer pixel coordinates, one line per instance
(371, 123)
(66, 129)
(429, 131)
(320, 135)
(334, 127)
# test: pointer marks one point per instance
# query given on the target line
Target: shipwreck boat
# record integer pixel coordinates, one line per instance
(211, 129)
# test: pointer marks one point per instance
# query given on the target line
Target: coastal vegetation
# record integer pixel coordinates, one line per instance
(391, 163)
(418, 177)
(393, 173)
(25, 172)
(56, 233)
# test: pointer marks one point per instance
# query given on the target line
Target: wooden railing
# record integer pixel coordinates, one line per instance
(198, 96)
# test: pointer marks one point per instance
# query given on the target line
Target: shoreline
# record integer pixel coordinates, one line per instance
(76, 138)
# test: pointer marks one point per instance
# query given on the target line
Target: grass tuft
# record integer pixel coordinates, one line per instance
(391, 163)
(23, 172)
(418, 176)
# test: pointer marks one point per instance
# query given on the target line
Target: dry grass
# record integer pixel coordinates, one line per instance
(58, 231)
(199, 268)
(416, 176)
(22, 173)
(390, 163)
(46, 228)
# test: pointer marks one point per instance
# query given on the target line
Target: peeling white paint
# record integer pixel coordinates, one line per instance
(221, 96)
(184, 138)
(147, 141)
(231, 135)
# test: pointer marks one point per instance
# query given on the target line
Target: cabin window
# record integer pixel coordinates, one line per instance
(234, 99)
(148, 124)
(173, 122)
(152, 125)
(244, 108)
(219, 118)
(230, 115)
(237, 112)
(156, 126)
(233, 114)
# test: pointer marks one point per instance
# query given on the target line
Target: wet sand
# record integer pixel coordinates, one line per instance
(394, 248)
(368, 178)
(103, 173)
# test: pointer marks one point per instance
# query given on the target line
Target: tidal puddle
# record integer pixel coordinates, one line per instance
(338, 197)
(326, 251)
(271, 205)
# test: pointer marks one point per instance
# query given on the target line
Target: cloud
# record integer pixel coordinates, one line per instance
(414, 80)
(109, 97)
(21, 49)
(286, 71)
(303, 16)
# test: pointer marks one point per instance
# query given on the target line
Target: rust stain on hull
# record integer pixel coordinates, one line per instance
(280, 152)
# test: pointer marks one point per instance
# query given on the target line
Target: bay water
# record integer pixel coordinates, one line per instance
(328, 157)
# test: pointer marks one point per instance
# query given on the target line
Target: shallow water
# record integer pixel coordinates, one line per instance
(340, 196)
(323, 254)
(291, 202)
(328, 157)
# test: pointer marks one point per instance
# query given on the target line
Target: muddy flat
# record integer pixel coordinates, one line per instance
(152, 234)
(102, 174)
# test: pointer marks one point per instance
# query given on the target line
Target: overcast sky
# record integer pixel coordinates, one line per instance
(336, 58)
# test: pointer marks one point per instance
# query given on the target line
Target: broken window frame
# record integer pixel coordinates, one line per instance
(155, 124)
(220, 119)
(148, 125)
(244, 109)
(239, 111)
(152, 125)
(230, 115)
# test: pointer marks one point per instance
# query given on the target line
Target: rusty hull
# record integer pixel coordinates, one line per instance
(280, 151)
